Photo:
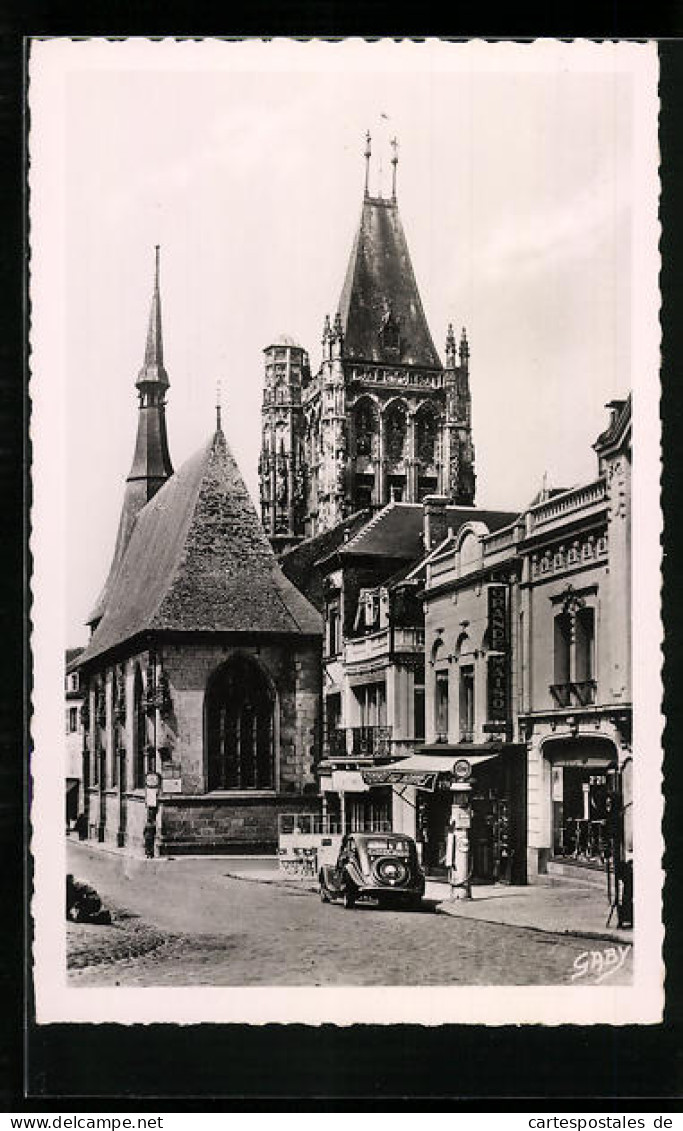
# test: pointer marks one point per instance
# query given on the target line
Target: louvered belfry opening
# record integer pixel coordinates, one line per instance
(239, 727)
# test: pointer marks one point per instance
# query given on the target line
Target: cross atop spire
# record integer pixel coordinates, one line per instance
(218, 406)
(153, 367)
(368, 155)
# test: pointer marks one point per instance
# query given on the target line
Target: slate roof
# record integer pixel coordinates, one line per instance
(380, 272)
(396, 531)
(298, 562)
(198, 561)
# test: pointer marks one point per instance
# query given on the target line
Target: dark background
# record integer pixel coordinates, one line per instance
(157, 1068)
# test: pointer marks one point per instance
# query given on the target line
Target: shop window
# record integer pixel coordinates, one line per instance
(239, 728)
(441, 707)
(467, 704)
(580, 814)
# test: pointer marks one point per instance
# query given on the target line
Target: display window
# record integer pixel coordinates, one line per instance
(581, 830)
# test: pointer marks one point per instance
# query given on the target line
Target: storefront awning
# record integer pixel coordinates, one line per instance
(424, 769)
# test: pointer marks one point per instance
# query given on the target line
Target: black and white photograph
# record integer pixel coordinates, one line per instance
(344, 387)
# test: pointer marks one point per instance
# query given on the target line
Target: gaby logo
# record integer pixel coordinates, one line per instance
(600, 964)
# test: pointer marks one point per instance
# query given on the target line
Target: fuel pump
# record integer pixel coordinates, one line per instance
(458, 840)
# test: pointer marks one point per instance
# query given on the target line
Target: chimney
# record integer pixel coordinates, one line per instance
(435, 520)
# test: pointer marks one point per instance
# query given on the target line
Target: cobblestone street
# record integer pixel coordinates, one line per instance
(185, 922)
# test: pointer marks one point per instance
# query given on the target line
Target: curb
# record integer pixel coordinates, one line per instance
(605, 936)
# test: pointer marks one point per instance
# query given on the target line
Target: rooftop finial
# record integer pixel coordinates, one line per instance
(394, 163)
(156, 266)
(218, 406)
(368, 155)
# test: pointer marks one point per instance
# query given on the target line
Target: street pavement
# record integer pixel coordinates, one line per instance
(187, 922)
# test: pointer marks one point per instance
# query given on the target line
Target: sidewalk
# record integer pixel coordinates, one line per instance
(557, 906)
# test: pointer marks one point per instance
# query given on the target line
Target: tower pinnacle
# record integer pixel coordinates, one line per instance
(368, 155)
(394, 163)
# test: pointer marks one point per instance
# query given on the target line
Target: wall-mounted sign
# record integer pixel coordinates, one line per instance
(497, 688)
(497, 617)
(348, 781)
(152, 780)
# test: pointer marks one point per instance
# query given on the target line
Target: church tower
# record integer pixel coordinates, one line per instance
(282, 471)
(151, 465)
(383, 419)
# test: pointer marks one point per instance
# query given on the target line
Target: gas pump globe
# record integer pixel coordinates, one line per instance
(458, 842)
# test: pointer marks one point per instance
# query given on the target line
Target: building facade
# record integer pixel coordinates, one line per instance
(528, 680)
(201, 679)
(368, 586)
(73, 704)
(382, 419)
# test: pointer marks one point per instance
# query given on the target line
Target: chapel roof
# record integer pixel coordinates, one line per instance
(198, 561)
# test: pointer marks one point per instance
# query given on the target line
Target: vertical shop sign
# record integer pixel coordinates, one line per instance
(497, 682)
(497, 689)
(498, 636)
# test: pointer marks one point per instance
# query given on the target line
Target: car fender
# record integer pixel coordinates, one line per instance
(330, 877)
(354, 874)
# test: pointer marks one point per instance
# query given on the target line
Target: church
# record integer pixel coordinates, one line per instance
(383, 419)
(202, 673)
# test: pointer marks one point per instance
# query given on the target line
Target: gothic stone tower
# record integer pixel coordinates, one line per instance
(282, 472)
(382, 419)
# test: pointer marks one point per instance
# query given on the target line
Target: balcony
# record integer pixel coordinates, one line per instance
(378, 644)
(359, 742)
(580, 694)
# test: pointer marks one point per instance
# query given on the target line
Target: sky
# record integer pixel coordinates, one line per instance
(245, 163)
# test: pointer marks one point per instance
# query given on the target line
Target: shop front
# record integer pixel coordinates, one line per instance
(584, 783)
(496, 806)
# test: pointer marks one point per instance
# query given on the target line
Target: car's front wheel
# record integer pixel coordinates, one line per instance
(349, 898)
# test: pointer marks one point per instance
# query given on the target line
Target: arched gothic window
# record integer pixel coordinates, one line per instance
(239, 727)
(425, 437)
(365, 420)
(139, 731)
(395, 431)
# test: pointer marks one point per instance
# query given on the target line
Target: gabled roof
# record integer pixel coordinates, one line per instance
(198, 561)
(396, 531)
(298, 562)
(379, 282)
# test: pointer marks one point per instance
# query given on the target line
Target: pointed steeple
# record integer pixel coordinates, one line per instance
(151, 465)
(153, 365)
(380, 272)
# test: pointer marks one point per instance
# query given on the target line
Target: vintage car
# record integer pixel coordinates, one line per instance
(378, 866)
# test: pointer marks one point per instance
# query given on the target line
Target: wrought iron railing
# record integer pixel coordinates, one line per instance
(579, 694)
(359, 742)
